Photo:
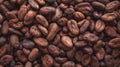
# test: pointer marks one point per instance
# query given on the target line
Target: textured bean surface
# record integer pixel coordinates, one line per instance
(59, 33)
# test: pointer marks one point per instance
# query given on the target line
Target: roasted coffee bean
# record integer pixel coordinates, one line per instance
(3, 49)
(84, 7)
(92, 25)
(58, 14)
(47, 10)
(33, 54)
(56, 39)
(60, 59)
(100, 54)
(14, 31)
(71, 53)
(88, 50)
(55, 51)
(78, 16)
(79, 44)
(99, 26)
(42, 20)
(33, 4)
(90, 37)
(73, 27)
(14, 41)
(112, 6)
(6, 59)
(43, 30)
(116, 52)
(86, 59)
(21, 56)
(22, 12)
(114, 42)
(98, 5)
(109, 61)
(63, 21)
(69, 11)
(35, 31)
(47, 61)
(41, 41)
(53, 29)
(84, 24)
(108, 17)
(28, 43)
(41, 2)
(94, 62)
(110, 31)
(78, 56)
(30, 15)
(66, 40)
(5, 27)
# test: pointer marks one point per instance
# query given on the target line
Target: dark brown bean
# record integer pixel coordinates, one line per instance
(112, 6)
(78, 16)
(41, 41)
(66, 40)
(34, 4)
(99, 26)
(55, 51)
(5, 27)
(22, 12)
(84, 7)
(6, 59)
(90, 37)
(108, 17)
(14, 41)
(21, 56)
(58, 14)
(86, 59)
(47, 61)
(114, 42)
(35, 31)
(47, 10)
(98, 5)
(73, 27)
(33, 54)
(42, 20)
(84, 24)
(53, 29)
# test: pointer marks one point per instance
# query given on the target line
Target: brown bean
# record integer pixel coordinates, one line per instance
(66, 40)
(53, 29)
(42, 20)
(41, 41)
(112, 6)
(73, 27)
(33, 4)
(47, 60)
(114, 42)
(33, 54)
